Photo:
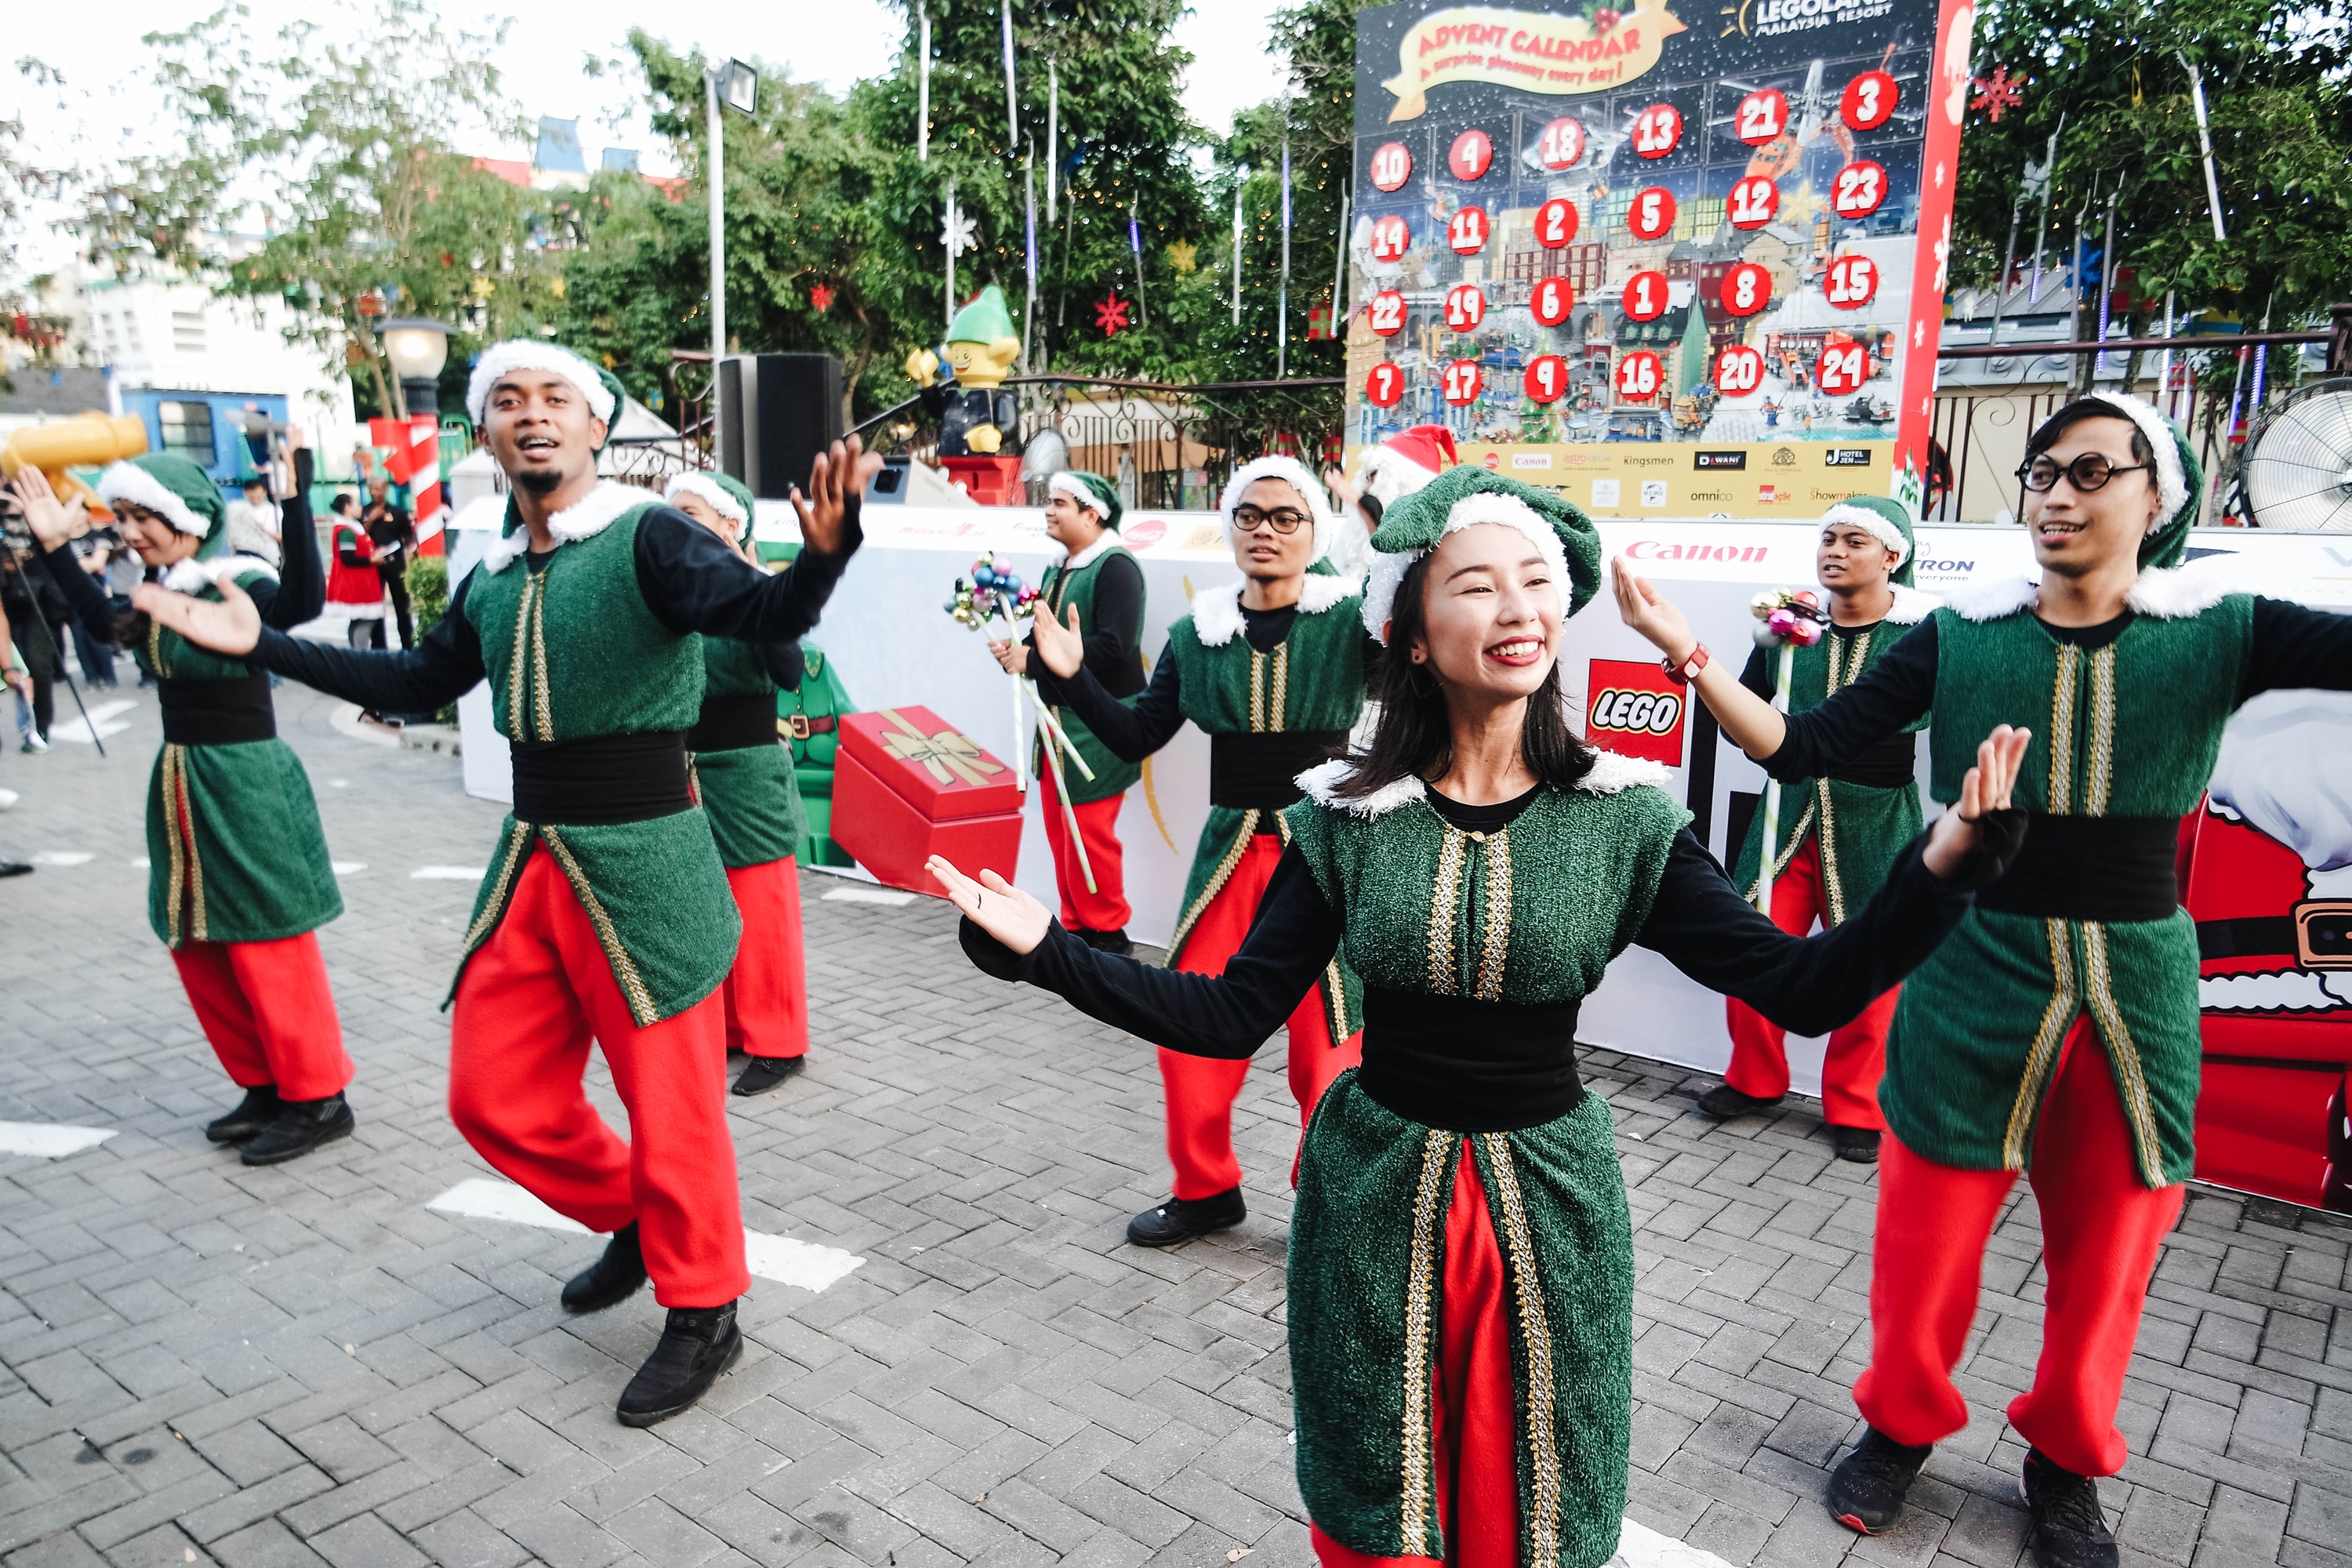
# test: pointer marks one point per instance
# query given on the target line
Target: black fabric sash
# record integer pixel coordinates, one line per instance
(1467, 1066)
(734, 723)
(218, 712)
(2107, 869)
(601, 780)
(1890, 763)
(1260, 772)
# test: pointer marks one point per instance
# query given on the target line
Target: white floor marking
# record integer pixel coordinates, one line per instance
(1639, 1546)
(777, 1258)
(339, 783)
(346, 867)
(105, 719)
(62, 857)
(49, 1139)
(869, 896)
(139, 862)
(447, 874)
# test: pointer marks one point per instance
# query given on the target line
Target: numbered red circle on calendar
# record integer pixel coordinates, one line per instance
(1546, 379)
(1858, 190)
(1387, 312)
(1747, 289)
(1560, 143)
(1639, 376)
(1761, 116)
(1472, 155)
(1753, 203)
(1464, 380)
(1646, 296)
(1552, 301)
(1466, 307)
(1466, 230)
(1869, 100)
(1555, 223)
(1851, 282)
(1739, 371)
(1657, 131)
(1384, 386)
(1843, 367)
(1651, 213)
(1391, 238)
(1392, 165)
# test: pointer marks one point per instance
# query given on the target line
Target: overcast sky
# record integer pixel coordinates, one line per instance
(836, 42)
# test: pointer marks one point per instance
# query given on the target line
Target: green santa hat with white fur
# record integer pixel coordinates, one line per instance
(1460, 498)
(1092, 492)
(1885, 520)
(175, 490)
(723, 493)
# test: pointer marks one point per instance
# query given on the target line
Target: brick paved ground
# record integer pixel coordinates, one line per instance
(199, 1363)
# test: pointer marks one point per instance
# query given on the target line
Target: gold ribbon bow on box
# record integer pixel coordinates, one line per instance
(948, 753)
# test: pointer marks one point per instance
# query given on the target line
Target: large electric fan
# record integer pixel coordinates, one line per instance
(2298, 466)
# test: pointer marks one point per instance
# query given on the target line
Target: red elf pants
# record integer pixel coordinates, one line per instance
(1104, 908)
(265, 1008)
(2100, 1231)
(766, 993)
(1200, 1091)
(1857, 1052)
(1476, 1461)
(531, 998)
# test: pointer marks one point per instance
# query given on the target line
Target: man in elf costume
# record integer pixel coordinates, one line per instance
(2056, 1032)
(744, 778)
(1272, 669)
(238, 878)
(1101, 580)
(1839, 834)
(605, 913)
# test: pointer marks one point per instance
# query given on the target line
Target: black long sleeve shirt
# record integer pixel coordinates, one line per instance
(1113, 632)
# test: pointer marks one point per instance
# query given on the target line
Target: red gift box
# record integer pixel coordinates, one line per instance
(906, 785)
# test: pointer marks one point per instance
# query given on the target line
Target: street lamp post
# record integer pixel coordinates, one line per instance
(417, 347)
(734, 86)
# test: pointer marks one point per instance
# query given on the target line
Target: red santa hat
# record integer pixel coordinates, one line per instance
(1406, 461)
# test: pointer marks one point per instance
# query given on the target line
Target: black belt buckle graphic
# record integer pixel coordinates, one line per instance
(2323, 933)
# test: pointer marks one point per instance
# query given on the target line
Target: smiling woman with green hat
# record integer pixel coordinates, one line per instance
(1461, 1264)
(2056, 1034)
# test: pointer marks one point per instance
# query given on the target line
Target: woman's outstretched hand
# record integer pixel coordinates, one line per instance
(231, 626)
(993, 904)
(53, 521)
(1650, 612)
(1059, 647)
(1984, 789)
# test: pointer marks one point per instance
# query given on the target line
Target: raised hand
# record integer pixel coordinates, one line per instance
(53, 521)
(1650, 612)
(1059, 648)
(993, 904)
(231, 626)
(838, 482)
(1984, 788)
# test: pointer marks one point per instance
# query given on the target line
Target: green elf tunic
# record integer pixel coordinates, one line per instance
(1111, 657)
(743, 776)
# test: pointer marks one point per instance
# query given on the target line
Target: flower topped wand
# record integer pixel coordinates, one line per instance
(994, 591)
(1787, 619)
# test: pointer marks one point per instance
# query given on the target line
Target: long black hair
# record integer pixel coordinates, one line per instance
(1412, 737)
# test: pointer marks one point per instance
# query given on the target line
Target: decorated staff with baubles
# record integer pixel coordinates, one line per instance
(1100, 579)
(1461, 1270)
(2056, 1034)
(605, 913)
(977, 417)
(238, 879)
(1272, 670)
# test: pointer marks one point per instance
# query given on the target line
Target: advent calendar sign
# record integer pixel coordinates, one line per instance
(1693, 243)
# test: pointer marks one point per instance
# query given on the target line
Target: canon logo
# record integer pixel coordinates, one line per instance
(1660, 550)
(1636, 712)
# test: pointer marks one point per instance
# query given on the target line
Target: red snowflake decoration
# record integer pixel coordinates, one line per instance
(821, 296)
(1996, 94)
(1110, 315)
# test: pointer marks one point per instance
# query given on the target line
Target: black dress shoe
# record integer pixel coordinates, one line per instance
(761, 1074)
(1859, 1144)
(1867, 1488)
(1181, 1219)
(698, 1345)
(257, 1110)
(299, 1126)
(1114, 942)
(612, 1278)
(2070, 1528)
(1723, 1102)
(15, 868)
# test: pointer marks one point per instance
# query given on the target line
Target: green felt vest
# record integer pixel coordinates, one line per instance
(749, 791)
(1061, 589)
(235, 852)
(574, 651)
(2129, 730)
(1863, 828)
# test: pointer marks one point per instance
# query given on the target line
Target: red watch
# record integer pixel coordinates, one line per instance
(1685, 673)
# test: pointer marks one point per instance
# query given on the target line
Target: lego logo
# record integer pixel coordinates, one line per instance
(1637, 712)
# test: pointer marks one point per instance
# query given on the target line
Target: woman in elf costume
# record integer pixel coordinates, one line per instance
(1272, 669)
(744, 778)
(2057, 1033)
(1101, 580)
(1461, 1258)
(238, 879)
(1840, 833)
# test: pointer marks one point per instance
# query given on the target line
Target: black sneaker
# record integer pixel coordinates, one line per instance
(1859, 1144)
(2070, 1528)
(257, 1110)
(15, 868)
(698, 1345)
(1181, 1219)
(612, 1278)
(1723, 1102)
(299, 1126)
(1114, 942)
(761, 1074)
(1867, 1488)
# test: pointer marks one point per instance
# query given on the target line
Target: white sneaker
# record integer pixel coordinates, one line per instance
(34, 744)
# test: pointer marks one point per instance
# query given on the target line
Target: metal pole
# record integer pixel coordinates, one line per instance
(2164, 362)
(1053, 137)
(1239, 179)
(1135, 245)
(718, 247)
(1029, 312)
(2008, 260)
(2041, 227)
(923, 87)
(2074, 283)
(1340, 310)
(2205, 150)
(2107, 279)
(1012, 105)
(1281, 294)
(949, 235)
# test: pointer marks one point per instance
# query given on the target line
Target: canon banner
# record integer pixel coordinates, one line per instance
(1673, 260)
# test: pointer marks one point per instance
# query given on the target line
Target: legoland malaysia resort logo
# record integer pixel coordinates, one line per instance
(1532, 50)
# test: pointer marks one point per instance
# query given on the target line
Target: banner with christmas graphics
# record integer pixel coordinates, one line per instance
(1670, 257)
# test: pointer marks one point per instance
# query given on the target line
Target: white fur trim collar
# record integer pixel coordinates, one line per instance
(2171, 482)
(192, 575)
(1912, 605)
(2159, 595)
(129, 482)
(1109, 541)
(1386, 574)
(1871, 524)
(1614, 775)
(1217, 612)
(523, 354)
(589, 516)
(1609, 774)
(712, 493)
(1295, 474)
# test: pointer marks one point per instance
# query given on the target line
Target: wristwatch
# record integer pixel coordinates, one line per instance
(1685, 673)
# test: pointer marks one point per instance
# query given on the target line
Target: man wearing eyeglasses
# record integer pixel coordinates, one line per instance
(1100, 579)
(2056, 1031)
(1273, 669)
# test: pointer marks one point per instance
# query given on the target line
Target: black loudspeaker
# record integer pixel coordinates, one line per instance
(776, 413)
